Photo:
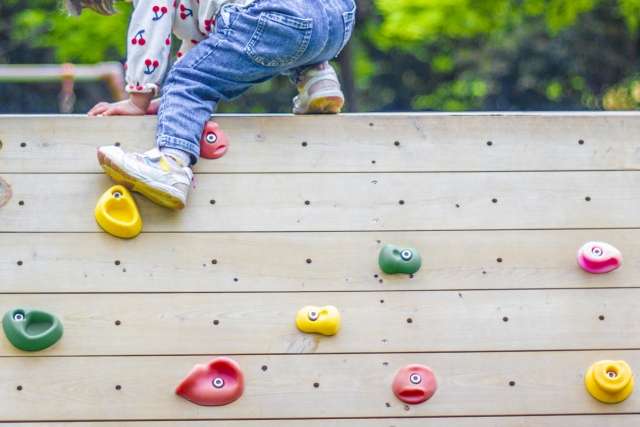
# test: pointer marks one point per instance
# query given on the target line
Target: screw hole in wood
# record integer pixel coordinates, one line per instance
(216, 322)
(118, 323)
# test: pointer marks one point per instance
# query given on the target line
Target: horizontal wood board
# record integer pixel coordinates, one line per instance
(346, 143)
(537, 421)
(343, 202)
(277, 262)
(349, 386)
(376, 322)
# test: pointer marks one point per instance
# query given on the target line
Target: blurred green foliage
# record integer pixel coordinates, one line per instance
(446, 55)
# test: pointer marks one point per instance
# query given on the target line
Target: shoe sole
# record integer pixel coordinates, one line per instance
(120, 176)
(322, 105)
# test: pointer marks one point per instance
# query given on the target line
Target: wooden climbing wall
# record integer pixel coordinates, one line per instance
(498, 205)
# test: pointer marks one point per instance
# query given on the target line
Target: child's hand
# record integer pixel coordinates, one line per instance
(154, 106)
(121, 108)
(136, 105)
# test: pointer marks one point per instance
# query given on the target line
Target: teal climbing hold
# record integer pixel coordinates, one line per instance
(399, 260)
(30, 329)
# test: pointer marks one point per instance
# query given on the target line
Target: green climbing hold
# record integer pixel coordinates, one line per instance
(399, 260)
(30, 329)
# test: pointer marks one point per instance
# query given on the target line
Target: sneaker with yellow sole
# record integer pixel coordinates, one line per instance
(319, 91)
(159, 177)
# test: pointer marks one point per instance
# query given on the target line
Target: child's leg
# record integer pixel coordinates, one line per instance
(251, 45)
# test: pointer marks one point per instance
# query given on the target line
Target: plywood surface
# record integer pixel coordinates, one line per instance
(183, 262)
(531, 421)
(376, 322)
(349, 386)
(497, 205)
(344, 202)
(427, 142)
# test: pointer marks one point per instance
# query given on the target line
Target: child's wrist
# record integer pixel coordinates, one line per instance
(141, 99)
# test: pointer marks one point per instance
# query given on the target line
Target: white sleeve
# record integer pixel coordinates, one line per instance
(149, 45)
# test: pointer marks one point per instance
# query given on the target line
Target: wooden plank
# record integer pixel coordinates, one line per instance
(344, 202)
(381, 322)
(427, 142)
(551, 421)
(182, 262)
(84, 388)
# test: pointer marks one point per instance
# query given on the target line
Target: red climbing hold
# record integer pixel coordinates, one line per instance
(414, 384)
(219, 382)
(214, 142)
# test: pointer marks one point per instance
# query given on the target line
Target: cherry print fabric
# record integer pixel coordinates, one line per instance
(149, 36)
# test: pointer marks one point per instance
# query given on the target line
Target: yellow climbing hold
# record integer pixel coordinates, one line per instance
(609, 381)
(117, 213)
(323, 320)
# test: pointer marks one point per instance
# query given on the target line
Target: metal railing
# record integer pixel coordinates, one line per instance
(68, 74)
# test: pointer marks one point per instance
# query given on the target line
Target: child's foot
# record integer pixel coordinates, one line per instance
(159, 177)
(319, 91)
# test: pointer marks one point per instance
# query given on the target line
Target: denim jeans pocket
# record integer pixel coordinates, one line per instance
(349, 22)
(279, 40)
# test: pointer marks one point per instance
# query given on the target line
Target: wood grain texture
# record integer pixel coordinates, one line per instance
(470, 384)
(427, 142)
(183, 262)
(550, 421)
(376, 322)
(344, 202)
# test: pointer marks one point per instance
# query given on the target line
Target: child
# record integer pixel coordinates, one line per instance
(228, 46)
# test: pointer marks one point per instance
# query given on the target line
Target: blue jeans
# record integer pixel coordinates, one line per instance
(250, 45)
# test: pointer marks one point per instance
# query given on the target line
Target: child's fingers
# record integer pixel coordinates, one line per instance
(99, 108)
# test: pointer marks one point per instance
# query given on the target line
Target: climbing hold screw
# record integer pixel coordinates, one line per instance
(211, 138)
(18, 316)
(415, 379)
(313, 315)
(596, 251)
(218, 383)
(117, 195)
(406, 255)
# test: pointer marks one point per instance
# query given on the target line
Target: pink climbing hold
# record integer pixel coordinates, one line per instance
(214, 142)
(599, 257)
(217, 383)
(414, 384)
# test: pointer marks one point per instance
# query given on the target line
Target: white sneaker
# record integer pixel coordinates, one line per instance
(159, 177)
(319, 91)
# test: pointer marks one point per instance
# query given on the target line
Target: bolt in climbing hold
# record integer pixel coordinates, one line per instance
(415, 379)
(218, 383)
(313, 315)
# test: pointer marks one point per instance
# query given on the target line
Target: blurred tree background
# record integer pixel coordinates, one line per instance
(405, 55)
